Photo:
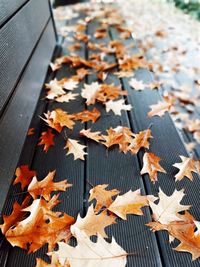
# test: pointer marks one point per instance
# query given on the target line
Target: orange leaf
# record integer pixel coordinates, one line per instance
(46, 186)
(87, 115)
(91, 135)
(23, 176)
(140, 140)
(159, 109)
(46, 139)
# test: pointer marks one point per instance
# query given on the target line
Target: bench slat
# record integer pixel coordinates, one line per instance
(18, 39)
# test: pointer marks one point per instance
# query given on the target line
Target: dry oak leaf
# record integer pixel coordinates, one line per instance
(90, 254)
(90, 92)
(103, 197)
(87, 115)
(167, 209)
(59, 118)
(186, 167)
(124, 74)
(151, 166)
(117, 106)
(23, 176)
(109, 92)
(140, 140)
(193, 125)
(92, 223)
(70, 84)
(159, 109)
(75, 148)
(91, 135)
(81, 73)
(55, 66)
(46, 139)
(54, 88)
(112, 138)
(16, 215)
(102, 75)
(190, 240)
(40, 227)
(134, 62)
(46, 186)
(137, 85)
(129, 203)
(66, 97)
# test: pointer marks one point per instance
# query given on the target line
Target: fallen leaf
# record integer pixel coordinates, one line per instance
(88, 253)
(186, 167)
(151, 166)
(70, 84)
(140, 140)
(54, 89)
(87, 115)
(117, 106)
(159, 109)
(66, 97)
(129, 203)
(23, 176)
(137, 85)
(46, 139)
(91, 135)
(90, 92)
(103, 197)
(93, 224)
(46, 186)
(168, 207)
(31, 131)
(75, 148)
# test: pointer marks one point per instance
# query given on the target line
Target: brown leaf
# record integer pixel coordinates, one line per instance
(93, 224)
(140, 140)
(159, 109)
(87, 115)
(91, 135)
(46, 139)
(23, 176)
(151, 166)
(46, 186)
(129, 203)
(103, 197)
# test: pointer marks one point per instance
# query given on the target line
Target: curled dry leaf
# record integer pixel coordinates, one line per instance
(66, 97)
(87, 115)
(137, 85)
(186, 167)
(159, 109)
(88, 253)
(40, 227)
(75, 148)
(46, 186)
(54, 88)
(23, 176)
(151, 166)
(140, 140)
(92, 223)
(117, 106)
(46, 139)
(168, 207)
(58, 118)
(129, 203)
(91, 135)
(103, 197)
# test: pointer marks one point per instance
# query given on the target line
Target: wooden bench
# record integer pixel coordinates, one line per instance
(28, 44)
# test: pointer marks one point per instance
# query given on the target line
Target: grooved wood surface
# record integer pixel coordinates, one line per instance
(18, 39)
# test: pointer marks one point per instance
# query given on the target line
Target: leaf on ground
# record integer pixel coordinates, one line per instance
(70, 84)
(54, 88)
(88, 253)
(151, 166)
(58, 118)
(90, 92)
(168, 207)
(129, 203)
(137, 85)
(16, 215)
(91, 135)
(92, 223)
(40, 227)
(66, 97)
(103, 197)
(31, 131)
(75, 148)
(46, 186)
(46, 139)
(23, 176)
(124, 74)
(87, 115)
(117, 106)
(54, 262)
(159, 109)
(140, 140)
(186, 167)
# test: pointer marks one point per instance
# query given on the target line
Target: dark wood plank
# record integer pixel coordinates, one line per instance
(122, 172)
(8, 8)
(168, 145)
(65, 166)
(18, 39)
(16, 120)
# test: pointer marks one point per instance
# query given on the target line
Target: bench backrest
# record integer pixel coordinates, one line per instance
(27, 42)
